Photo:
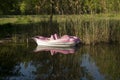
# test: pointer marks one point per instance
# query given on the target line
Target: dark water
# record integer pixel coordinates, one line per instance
(21, 62)
(22, 59)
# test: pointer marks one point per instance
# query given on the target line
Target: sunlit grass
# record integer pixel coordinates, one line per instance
(23, 19)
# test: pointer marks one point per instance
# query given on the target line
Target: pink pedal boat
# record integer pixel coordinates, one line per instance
(56, 41)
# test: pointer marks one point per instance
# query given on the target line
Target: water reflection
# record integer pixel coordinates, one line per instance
(91, 67)
(55, 50)
(99, 62)
(25, 71)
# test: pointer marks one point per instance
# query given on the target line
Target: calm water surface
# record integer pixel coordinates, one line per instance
(31, 62)
(22, 59)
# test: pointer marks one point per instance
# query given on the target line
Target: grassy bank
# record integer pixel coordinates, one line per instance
(25, 19)
(91, 29)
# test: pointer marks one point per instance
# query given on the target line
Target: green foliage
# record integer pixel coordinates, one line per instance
(22, 7)
(59, 6)
(1, 12)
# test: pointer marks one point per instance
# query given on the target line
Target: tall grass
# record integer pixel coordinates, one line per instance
(91, 29)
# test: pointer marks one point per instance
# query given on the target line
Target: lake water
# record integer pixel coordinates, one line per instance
(22, 59)
(31, 62)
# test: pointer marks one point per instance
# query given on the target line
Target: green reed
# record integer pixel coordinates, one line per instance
(91, 29)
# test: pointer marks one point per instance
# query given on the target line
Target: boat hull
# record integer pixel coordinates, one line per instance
(54, 43)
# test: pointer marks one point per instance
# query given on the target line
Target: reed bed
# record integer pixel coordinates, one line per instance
(91, 29)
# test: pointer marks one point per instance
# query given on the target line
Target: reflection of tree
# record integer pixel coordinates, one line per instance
(10, 56)
(7, 61)
(65, 67)
(107, 59)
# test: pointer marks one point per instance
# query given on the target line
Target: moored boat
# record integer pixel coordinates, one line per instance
(56, 41)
